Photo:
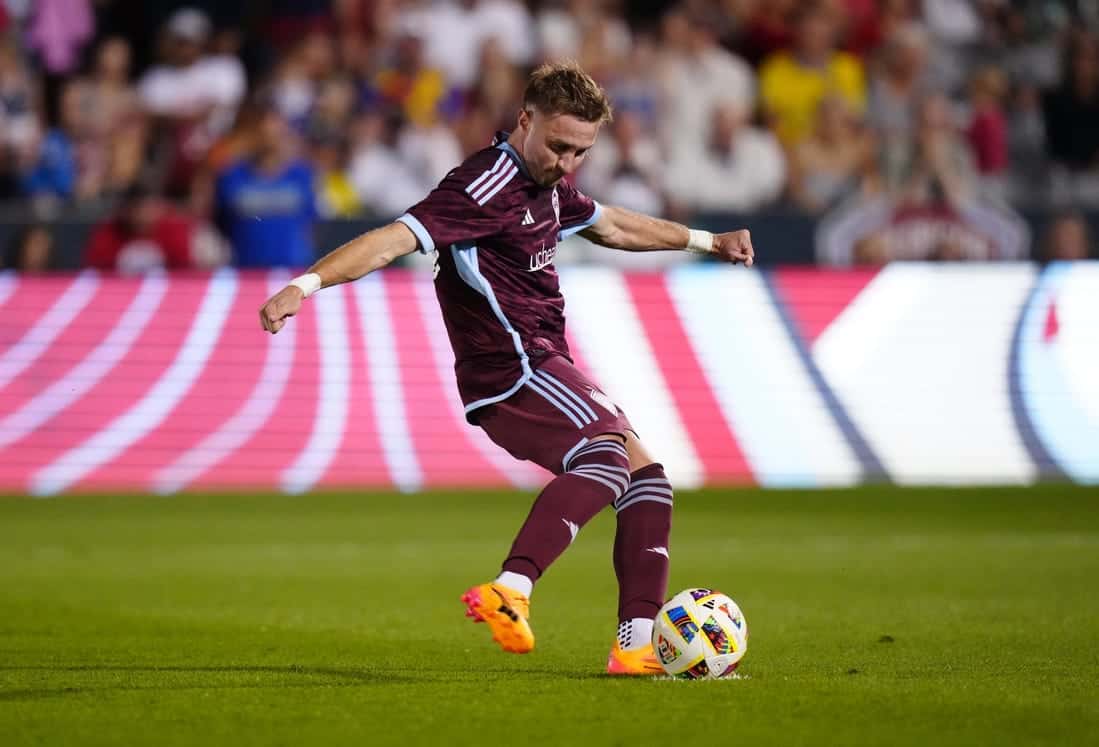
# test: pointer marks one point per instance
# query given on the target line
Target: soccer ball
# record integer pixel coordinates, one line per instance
(700, 634)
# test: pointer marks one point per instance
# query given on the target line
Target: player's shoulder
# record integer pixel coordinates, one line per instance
(487, 176)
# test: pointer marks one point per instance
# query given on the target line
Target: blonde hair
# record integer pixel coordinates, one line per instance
(564, 88)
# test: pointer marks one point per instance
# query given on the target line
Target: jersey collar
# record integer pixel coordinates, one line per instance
(501, 143)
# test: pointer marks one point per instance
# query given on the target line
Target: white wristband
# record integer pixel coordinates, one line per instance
(308, 283)
(700, 242)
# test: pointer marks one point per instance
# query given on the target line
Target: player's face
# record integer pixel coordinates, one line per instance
(554, 146)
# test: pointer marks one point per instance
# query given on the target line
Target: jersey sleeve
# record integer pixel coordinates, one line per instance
(449, 215)
(578, 211)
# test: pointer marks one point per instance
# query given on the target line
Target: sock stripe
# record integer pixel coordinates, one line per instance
(641, 498)
(654, 481)
(599, 447)
(617, 489)
(634, 490)
(621, 478)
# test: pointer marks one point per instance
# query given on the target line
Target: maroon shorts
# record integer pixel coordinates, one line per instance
(552, 415)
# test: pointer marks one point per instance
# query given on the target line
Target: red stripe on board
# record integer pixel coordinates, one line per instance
(814, 298)
(261, 460)
(70, 347)
(445, 455)
(219, 389)
(717, 448)
(32, 299)
(359, 460)
(128, 382)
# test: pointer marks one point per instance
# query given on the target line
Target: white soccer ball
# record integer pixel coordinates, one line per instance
(700, 634)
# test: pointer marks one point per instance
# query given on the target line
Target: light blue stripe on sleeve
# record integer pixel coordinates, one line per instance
(427, 244)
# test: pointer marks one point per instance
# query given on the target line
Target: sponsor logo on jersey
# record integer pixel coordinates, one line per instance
(542, 258)
(528, 219)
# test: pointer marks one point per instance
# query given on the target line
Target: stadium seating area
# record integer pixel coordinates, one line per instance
(899, 129)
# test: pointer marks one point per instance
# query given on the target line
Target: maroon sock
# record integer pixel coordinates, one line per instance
(594, 478)
(644, 516)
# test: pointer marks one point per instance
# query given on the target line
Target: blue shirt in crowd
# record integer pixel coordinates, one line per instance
(268, 217)
(55, 171)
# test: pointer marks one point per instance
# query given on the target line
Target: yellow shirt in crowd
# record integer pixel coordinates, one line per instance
(791, 92)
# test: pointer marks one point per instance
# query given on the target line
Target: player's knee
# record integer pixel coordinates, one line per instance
(603, 461)
(639, 456)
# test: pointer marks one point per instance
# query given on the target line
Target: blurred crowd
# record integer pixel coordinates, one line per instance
(220, 131)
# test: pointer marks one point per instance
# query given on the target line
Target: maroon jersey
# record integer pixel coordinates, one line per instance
(496, 232)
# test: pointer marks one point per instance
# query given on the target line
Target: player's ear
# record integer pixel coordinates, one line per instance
(524, 119)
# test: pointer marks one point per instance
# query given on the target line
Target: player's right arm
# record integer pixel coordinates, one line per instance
(358, 257)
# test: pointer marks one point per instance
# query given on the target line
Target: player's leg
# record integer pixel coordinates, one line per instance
(644, 522)
(594, 477)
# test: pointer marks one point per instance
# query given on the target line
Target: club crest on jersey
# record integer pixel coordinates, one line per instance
(556, 205)
(542, 257)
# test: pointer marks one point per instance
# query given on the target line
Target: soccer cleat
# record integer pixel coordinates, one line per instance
(638, 661)
(506, 612)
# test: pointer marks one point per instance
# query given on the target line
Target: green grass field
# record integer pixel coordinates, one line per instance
(878, 616)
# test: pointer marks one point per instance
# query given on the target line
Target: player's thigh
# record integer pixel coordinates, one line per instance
(639, 455)
(552, 416)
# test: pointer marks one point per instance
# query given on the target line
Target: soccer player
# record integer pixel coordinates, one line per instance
(494, 223)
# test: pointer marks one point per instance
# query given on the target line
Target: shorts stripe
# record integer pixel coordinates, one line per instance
(536, 387)
(556, 391)
(551, 380)
(495, 167)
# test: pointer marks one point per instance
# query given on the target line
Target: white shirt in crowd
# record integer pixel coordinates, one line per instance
(216, 83)
(751, 175)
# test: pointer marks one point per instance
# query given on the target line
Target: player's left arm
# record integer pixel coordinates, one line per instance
(619, 228)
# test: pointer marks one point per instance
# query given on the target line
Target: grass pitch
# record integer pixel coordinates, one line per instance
(877, 616)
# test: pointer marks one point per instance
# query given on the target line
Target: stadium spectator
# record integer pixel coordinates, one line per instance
(20, 130)
(835, 162)
(899, 81)
(741, 169)
(383, 179)
(1067, 238)
(766, 30)
(30, 250)
(1072, 110)
(698, 74)
(58, 31)
(987, 132)
(264, 203)
(583, 30)
(936, 164)
(793, 83)
(298, 79)
(407, 83)
(115, 122)
(625, 166)
(336, 195)
(147, 233)
(195, 94)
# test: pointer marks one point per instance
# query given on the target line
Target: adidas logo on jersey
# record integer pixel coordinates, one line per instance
(528, 219)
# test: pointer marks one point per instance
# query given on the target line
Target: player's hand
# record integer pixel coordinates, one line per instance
(735, 246)
(280, 307)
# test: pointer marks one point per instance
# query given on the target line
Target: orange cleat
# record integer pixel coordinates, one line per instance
(638, 661)
(506, 611)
